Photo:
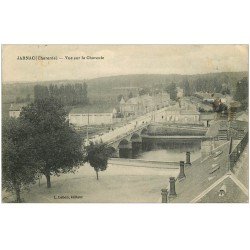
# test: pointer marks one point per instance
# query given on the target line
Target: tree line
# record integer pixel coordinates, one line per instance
(41, 142)
(70, 94)
(204, 85)
(24, 99)
(172, 90)
(241, 93)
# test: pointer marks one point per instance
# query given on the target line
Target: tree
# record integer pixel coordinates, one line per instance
(58, 147)
(18, 99)
(241, 93)
(130, 95)
(97, 156)
(171, 89)
(69, 94)
(119, 97)
(40, 92)
(187, 90)
(19, 165)
(226, 91)
(144, 91)
(27, 99)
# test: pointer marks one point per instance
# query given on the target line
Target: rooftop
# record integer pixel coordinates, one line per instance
(139, 99)
(207, 95)
(240, 125)
(17, 106)
(233, 193)
(207, 115)
(143, 98)
(241, 170)
(199, 176)
(213, 129)
(206, 179)
(242, 116)
(133, 100)
(189, 112)
(122, 101)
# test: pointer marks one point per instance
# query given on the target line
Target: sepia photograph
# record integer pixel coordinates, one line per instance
(125, 123)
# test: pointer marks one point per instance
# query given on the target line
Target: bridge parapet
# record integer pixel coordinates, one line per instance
(133, 126)
(114, 142)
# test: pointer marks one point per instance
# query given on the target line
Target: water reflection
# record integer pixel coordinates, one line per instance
(171, 155)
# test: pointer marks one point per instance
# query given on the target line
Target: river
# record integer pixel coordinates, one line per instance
(168, 155)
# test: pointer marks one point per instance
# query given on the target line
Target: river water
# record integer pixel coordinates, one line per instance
(168, 155)
(169, 150)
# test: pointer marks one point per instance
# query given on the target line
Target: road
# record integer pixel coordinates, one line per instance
(133, 125)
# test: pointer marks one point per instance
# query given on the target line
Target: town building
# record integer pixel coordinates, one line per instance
(186, 104)
(210, 97)
(214, 180)
(179, 114)
(80, 117)
(15, 110)
(143, 104)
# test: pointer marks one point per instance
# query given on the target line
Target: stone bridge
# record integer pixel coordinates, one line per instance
(126, 141)
(129, 144)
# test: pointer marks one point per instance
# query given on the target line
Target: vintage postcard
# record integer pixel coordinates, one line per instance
(125, 124)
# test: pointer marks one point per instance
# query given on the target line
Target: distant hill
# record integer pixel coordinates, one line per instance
(109, 86)
(150, 79)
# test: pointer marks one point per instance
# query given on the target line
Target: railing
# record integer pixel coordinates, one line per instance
(125, 134)
(236, 153)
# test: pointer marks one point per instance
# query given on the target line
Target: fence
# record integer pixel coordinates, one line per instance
(235, 154)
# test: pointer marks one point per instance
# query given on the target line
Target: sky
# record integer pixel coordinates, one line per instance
(119, 60)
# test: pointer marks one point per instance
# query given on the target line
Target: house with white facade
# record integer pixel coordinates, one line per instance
(15, 110)
(177, 114)
(82, 117)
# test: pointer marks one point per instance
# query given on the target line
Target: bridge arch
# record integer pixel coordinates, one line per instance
(136, 141)
(125, 149)
(123, 143)
(135, 137)
(144, 131)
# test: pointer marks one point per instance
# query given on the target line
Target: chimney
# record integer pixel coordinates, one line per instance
(172, 192)
(181, 175)
(188, 162)
(223, 190)
(164, 195)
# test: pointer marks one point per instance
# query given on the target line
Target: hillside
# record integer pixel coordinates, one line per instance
(108, 86)
(150, 79)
